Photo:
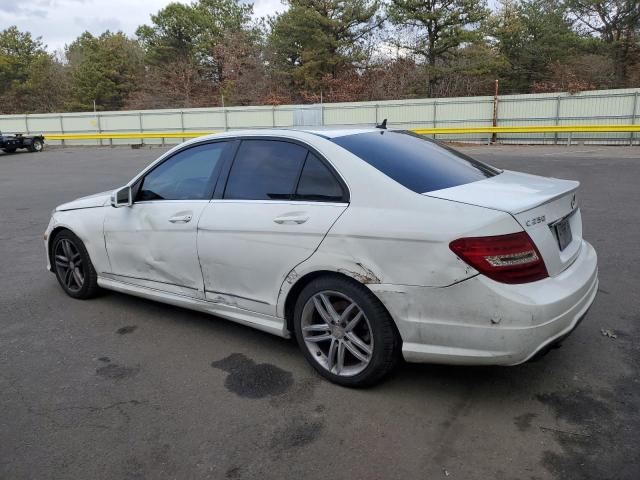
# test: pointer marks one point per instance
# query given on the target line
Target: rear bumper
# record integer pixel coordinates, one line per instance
(483, 322)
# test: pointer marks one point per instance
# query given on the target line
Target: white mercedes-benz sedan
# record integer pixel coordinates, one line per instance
(366, 245)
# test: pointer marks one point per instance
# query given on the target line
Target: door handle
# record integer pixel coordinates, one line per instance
(181, 219)
(291, 219)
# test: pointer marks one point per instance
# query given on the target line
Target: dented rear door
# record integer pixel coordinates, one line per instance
(247, 248)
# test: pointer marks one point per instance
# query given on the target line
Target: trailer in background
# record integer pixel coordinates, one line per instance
(11, 143)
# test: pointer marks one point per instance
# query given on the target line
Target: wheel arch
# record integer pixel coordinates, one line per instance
(52, 235)
(294, 291)
(299, 282)
(88, 225)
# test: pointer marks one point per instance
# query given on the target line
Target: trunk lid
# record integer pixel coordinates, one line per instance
(546, 208)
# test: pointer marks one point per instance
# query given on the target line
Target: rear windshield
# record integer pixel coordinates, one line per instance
(418, 163)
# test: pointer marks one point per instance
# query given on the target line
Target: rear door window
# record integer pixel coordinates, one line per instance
(419, 164)
(317, 183)
(265, 170)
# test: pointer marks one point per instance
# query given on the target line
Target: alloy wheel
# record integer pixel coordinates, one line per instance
(337, 333)
(69, 265)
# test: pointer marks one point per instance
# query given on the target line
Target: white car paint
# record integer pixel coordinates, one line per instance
(246, 250)
(240, 259)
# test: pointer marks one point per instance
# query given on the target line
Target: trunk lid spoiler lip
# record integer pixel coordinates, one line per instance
(511, 192)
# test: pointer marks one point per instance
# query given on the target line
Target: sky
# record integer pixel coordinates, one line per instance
(59, 22)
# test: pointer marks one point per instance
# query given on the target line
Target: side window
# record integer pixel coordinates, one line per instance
(317, 183)
(265, 170)
(188, 175)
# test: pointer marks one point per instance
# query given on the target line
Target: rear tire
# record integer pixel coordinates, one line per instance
(73, 268)
(36, 145)
(345, 332)
(9, 150)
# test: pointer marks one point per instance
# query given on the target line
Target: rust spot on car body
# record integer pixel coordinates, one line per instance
(366, 276)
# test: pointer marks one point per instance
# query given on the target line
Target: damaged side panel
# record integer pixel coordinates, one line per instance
(374, 246)
(248, 248)
(84, 223)
(148, 247)
(379, 245)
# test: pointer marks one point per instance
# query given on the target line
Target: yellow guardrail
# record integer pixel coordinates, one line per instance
(124, 136)
(421, 131)
(532, 129)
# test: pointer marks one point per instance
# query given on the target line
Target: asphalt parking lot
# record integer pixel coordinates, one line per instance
(122, 388)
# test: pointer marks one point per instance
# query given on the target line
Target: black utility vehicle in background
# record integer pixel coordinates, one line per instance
(10, 143)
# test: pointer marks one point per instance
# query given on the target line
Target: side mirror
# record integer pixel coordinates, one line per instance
(121, 197)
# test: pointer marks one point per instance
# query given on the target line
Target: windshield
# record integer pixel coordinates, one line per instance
(418, 163)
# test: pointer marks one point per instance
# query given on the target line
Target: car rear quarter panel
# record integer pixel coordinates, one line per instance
(378, 245)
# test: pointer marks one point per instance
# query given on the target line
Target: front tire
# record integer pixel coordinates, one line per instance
(36, 145)
(9, 150)
(345, 332)
(73, 268)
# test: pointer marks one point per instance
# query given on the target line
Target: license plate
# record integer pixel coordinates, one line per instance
(563, 233)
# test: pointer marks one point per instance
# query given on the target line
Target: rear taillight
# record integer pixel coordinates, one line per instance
(511, 258)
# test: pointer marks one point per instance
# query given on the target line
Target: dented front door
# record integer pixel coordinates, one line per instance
(153, 244)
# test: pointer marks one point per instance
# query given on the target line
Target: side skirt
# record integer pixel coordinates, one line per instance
(260, 321)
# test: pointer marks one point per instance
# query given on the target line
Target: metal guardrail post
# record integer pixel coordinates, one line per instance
(61, 129)
(435, 116)
(26, 123)
(140, 124)
(99, 126)
(557, 120)
(182, 123)
(633, 117)
(273, 116)
(494, 117)
(226, 122)
(377, 122)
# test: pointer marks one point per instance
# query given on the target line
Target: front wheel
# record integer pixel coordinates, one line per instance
(344, 332)
(36, 145)
(9, 150)
(73, 267)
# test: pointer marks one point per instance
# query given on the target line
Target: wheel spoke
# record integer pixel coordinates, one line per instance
(340, 362)
(356, 353)
(68, 277)
(319, 338)
(344, 316)
(320, 309)
(331, 354)
(77, 276)
(62, 261)
(354, 321)
(316, 327)
(329, 307)
(66, 247)
(359, 343)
